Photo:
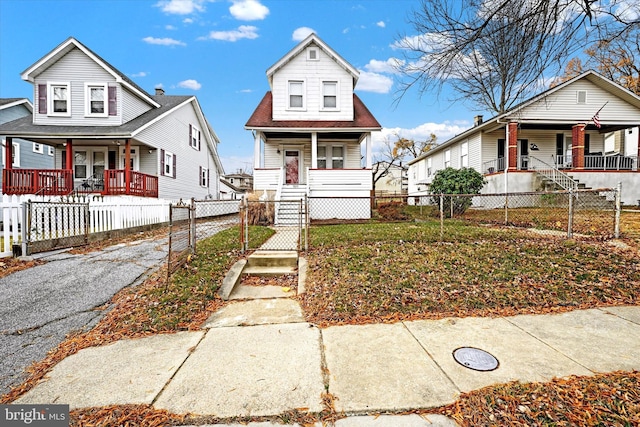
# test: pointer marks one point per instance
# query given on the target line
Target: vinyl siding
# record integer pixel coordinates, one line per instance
(313, 73)
(562, 105)
(76, 68)
(132, 106)
(172, 134)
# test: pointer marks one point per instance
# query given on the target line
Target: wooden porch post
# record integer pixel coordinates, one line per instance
(367, 150)
(314, 150)
(8, 154)
(512, 137)
(256, 150)
(127, 166)
(577, 146)
(69, 154)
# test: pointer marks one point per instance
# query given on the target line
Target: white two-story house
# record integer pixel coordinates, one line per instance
(583, 131)
(108, 135)
(312, 134)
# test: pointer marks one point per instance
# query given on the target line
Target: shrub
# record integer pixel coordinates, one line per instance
(456, 181)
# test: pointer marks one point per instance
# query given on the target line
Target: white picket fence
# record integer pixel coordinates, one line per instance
(105, 214)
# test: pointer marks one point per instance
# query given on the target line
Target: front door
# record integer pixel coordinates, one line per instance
(523, 154)
(292, 166)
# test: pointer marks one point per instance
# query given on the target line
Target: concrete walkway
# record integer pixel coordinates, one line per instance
(258, 357)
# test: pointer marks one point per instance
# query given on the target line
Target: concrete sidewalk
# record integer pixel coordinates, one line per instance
(263, 369)
(258, 357)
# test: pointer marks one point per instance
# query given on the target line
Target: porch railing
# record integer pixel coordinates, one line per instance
(46, 182)
(614, 162)
(552, 173)
(141, 184)
(493, 166)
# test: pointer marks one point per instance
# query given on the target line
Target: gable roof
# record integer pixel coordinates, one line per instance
(514, 113)
(12, 102)
(71, 43)
(315, 40)
(262, 119)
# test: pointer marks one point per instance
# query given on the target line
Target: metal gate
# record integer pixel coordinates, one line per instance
(54, 225)
(288, 218)
(181, 235)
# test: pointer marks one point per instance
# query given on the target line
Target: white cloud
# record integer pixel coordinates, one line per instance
(374, 82)
(381, 24)
(243, 32)
(389, 66)
(181, 7)
(140, 74)
(170, 27)
(190, 84)
(301, 33)
(166, 41)
(187, 21)
(246, 91)
(443, 131)
(430, 42)
(248, 10)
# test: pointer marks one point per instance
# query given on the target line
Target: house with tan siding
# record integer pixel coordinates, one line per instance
(554, 135)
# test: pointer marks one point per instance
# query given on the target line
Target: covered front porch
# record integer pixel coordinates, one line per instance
(103, 167)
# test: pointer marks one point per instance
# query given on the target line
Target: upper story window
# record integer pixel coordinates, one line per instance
(581, 97)
(312, 54)
(296, 94)
(95, 96)
(429, 166)
(329, 95)
(59, 99)
(194, 137)
(464, 155)
(447, 158)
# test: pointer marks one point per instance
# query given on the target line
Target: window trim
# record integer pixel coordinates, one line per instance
(323, 107)
(304, 91)
(38, 148)
(464, 155)
(87, 99)
(16, 153)
(50, 100)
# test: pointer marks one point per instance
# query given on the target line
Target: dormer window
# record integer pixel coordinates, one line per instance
(312, 54)
(96, 99)
(59, 99)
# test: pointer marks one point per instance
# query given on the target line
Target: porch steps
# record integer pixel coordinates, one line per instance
(584, 200)
(289, 205)
(271, 263)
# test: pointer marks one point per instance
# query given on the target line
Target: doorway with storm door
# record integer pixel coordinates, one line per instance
(292, 167)
(523, 154)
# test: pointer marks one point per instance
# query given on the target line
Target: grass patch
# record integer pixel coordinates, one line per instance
(390, 272)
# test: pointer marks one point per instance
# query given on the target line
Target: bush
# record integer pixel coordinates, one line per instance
(456, 181)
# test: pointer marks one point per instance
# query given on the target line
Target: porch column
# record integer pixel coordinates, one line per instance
(69, 155)
(314, 150)
(367, 151)
(8, 153)
(127, 166)
(512, 141)
(256, 150)
(577, 146)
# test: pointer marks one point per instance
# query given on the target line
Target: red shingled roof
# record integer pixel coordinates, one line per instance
(262, 118)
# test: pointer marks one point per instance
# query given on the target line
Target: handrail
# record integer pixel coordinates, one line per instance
(553, 173)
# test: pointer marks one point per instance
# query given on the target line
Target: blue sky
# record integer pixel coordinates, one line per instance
(220, 50)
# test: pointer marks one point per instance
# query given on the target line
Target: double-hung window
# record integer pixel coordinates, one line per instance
(95, 96)
(322, 157)
(38, 148)
(464, 155)
(330, 157)
(329, 95)
(168, 163)
(194, 137)
(337, 157)
(296, 94)
(204, 177)
(447, 158)
(59, 99)
(429, 166)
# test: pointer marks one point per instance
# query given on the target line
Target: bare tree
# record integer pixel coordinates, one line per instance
(495, 53)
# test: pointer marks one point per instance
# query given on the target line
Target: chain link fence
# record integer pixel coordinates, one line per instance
(594, 213)
(289, 217)
(54, 225)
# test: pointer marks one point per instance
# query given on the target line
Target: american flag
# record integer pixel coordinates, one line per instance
(596, 119)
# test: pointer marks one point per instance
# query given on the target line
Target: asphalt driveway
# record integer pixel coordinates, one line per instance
(41, 305)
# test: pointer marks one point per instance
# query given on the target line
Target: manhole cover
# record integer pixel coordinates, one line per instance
(476, 359)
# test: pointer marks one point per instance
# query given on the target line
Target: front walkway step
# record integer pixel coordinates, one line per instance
(256, 312)
(261, 292)
(273, 258)
(269, 271)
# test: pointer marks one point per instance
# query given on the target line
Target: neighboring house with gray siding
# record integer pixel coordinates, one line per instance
(26, 154)
(110, 136)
